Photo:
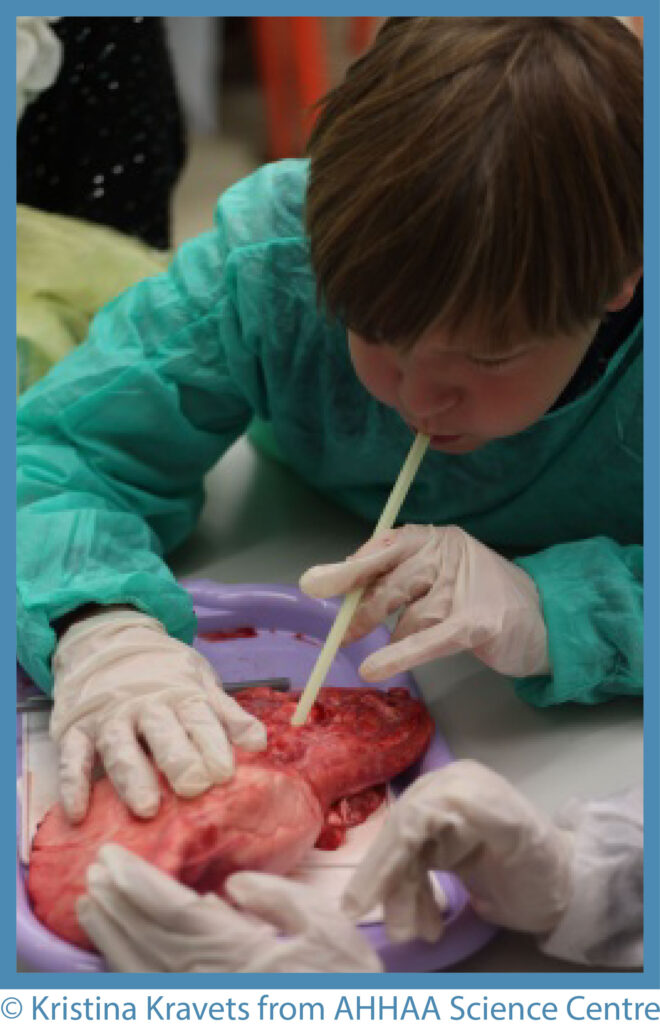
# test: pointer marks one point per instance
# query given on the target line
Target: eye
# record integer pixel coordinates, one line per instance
(493, 364)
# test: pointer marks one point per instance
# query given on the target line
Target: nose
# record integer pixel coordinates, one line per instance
(426, 398)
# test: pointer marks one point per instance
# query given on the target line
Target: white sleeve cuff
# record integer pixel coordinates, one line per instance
(603, 923)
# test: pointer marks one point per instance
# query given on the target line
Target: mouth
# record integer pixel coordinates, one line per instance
(442, 440)
(436, 439)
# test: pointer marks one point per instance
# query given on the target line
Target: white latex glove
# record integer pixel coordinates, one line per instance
(142, 920)
(466, 819)
(454, 594)
(118, 677)
(38, 59)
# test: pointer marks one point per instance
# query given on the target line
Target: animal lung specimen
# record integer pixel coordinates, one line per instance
(310, 784)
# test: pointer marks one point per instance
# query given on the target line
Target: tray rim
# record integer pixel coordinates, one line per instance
(47, 952)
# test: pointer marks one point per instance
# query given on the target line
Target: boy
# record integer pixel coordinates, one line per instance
(472, 221)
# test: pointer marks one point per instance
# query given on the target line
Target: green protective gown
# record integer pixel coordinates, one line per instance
(115, 441)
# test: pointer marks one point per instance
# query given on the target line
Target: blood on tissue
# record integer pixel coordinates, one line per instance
(346, 813)
(247, 633)
(306, 639)
(240, 633)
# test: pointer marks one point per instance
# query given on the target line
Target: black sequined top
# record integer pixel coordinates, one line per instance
(106, 142)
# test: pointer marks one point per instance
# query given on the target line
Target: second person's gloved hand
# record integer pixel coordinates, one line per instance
(454, 594)
(142, 920)
(120, 678)
(516, 864)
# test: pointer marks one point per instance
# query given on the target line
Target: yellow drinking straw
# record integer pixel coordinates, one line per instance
(351, 601)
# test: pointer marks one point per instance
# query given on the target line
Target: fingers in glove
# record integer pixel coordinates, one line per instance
(407, 582)
(167, 941)
(128, 767)
(314, 935)
(409, 826)
(379, 555)
(181, 930)
(154, 894)
(430, 610)
(384, 865)
(399, 905)
(174, 753)
(243, 729)
(75, 771)
(111, 938)
(318, 934)
(283, 903)
(291, 907)
(450, 637)
(411, 911)
(163, 902)
(430, 569)
(208, 736)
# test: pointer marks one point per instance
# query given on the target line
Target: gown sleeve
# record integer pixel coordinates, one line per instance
(591, 597)
(113, 445)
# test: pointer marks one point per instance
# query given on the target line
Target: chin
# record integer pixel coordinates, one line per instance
(461, 445)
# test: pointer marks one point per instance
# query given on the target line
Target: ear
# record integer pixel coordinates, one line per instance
(635, 25)
(625, 294)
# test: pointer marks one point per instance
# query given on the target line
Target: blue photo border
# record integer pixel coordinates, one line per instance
(649, 978)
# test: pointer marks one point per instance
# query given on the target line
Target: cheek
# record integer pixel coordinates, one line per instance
(508, 404)
(375, 372)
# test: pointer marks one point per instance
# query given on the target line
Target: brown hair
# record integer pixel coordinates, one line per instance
(479, 170)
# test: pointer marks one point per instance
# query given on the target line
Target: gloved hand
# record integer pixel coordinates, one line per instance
(119, 676)
(454, 593)
(142, 920)
(516, 865)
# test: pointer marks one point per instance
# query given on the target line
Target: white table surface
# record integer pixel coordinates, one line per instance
(262, 524)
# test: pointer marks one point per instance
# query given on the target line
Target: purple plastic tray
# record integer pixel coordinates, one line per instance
(290, 630)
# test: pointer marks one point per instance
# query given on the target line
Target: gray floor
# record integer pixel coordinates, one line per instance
(216, 162)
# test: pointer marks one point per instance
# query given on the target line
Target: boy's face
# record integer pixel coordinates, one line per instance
(464, 399)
